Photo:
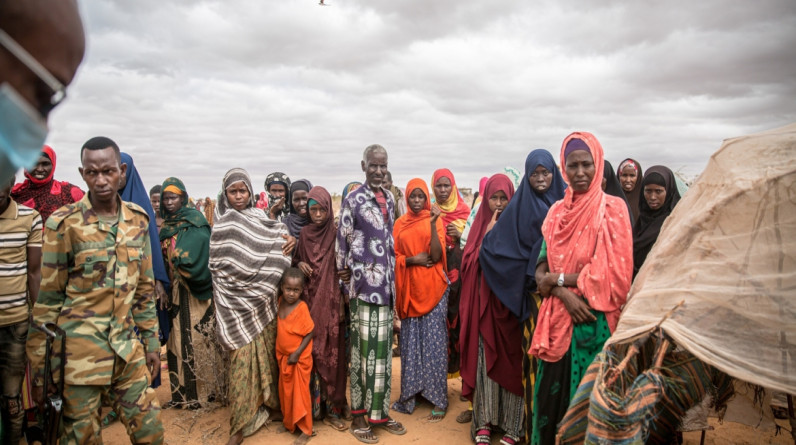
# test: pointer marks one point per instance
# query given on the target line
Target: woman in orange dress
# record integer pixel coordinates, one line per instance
(421, 287)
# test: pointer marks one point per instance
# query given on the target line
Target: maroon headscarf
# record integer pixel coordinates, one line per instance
(322, 292)
(45, 195)
(482, 314)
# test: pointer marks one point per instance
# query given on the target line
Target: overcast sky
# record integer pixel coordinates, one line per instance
(192, 88)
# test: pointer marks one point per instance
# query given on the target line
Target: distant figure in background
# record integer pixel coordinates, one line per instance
(477, 198)
(611, 186)
(277, 187)
(185, 240)
(154, 199)
(631, 176)
(660, 195)
(298, 217)
(350, 187)
(262, 201)
(397, 194)
(209, 210)
(43, 193)
(515, 176)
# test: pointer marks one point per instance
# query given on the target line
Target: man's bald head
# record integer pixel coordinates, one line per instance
(52, 32)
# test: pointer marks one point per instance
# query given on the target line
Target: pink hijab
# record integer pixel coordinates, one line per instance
(587, 233)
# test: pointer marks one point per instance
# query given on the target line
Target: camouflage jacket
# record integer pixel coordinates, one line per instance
(97, 287)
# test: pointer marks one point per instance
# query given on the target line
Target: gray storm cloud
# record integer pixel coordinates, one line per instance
(191, 89)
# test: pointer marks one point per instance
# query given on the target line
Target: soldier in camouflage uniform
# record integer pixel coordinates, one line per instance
(97, 284)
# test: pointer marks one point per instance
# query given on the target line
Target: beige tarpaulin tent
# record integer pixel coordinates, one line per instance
(729, 251)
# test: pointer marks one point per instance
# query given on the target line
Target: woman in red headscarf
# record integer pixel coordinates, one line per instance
(43, 193)
(491, 353)
(583, 274)
(454, 217)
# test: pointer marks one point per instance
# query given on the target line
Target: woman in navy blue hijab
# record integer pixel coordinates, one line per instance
(510, 250)
(134, 190)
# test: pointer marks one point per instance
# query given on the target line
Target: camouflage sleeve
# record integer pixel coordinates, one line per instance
(56, 253)
(143, 308)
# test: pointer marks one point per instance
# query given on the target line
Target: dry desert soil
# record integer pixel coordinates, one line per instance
(211, 426)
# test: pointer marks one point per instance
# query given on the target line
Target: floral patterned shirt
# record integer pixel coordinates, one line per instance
(365, 246)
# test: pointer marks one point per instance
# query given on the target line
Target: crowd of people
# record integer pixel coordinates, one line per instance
(515, 293)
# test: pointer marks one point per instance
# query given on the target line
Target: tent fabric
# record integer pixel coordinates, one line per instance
(646, 402)
(728, 250)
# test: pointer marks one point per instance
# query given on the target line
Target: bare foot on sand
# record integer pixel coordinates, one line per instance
(236, 438)
(302, 439)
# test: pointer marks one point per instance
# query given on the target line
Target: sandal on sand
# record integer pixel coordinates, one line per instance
(484, 435)
(109, 419)
(360, 434)
(465, 416)
(335, 422)
(392, 426)
(435, 416)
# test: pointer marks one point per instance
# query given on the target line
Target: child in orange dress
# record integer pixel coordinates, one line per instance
(294, 330)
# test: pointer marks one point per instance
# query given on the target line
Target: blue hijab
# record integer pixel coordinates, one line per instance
(509, 251)
(134, 191)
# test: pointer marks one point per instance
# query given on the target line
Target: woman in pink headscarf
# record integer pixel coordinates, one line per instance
(584, 273)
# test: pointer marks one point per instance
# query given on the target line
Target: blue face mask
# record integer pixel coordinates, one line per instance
(22, 133)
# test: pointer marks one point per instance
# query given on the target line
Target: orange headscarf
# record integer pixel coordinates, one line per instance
(454, 210)
(587, 233)
(418, 289)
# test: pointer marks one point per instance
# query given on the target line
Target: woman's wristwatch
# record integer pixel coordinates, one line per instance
(560, 281)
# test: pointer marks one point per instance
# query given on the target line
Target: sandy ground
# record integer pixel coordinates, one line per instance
(212, 426)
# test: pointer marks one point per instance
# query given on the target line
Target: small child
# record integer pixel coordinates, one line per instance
(294, 332)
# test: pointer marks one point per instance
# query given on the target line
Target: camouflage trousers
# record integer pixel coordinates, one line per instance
(12, 372)
(130, 396)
